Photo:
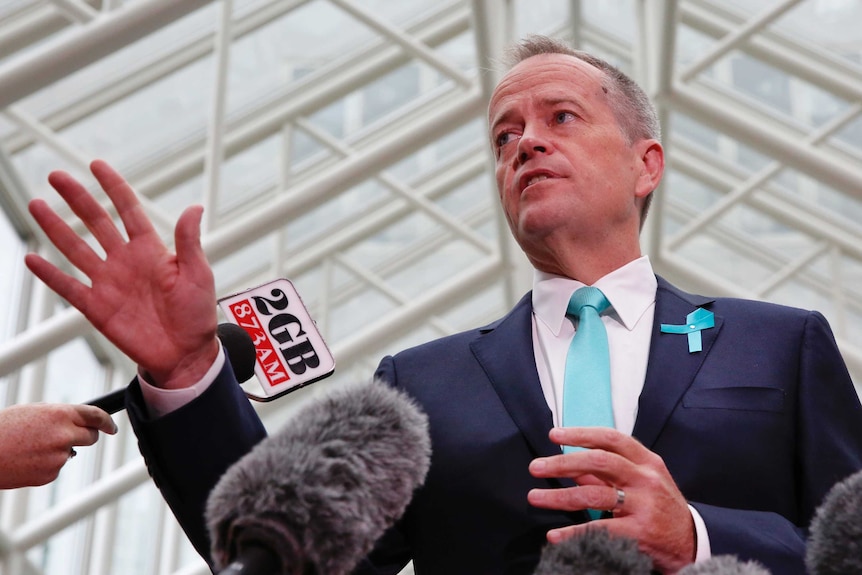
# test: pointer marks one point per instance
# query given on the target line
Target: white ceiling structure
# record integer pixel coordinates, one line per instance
(341, 144)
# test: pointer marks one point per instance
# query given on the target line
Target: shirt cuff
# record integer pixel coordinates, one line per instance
(161, 402)
(704, 551)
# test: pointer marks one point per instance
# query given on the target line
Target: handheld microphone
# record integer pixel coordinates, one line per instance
(316, 496)
(725, 565)
(594, 552)
(240, 351)
(835, 539)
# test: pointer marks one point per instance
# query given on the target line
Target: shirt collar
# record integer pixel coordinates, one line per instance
(630, 289)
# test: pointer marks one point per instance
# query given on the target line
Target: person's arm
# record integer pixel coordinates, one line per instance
(828, 447)
(190, 448)
(36, 440)
(159, 308)
(766, 537)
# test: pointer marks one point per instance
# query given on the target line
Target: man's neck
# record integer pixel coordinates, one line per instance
(587, 268)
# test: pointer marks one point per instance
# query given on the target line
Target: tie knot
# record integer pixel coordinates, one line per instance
(587, 297)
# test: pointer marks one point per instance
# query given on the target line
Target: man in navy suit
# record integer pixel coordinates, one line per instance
(725, 437)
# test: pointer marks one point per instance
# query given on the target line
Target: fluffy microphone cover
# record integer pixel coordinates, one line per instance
(725, 565)
(594, 553)
(324, 488)
(835, 539)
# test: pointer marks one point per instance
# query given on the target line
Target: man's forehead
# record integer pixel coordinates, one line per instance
(544, 75)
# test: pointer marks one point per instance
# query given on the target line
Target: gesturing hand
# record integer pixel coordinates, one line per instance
(36, 439)
(654, 512)
(157, 307)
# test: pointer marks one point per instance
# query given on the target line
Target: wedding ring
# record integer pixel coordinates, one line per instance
(621, 498)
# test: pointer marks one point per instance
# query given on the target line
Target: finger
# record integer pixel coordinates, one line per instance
(604, 438)
(562, 533)
(67, 287)
(123, 197)
(88, 209)
(605, 466)
(76, 250)
(85, 438)
(575, 498)
(92, 417)
(589, 479)
(187, 242)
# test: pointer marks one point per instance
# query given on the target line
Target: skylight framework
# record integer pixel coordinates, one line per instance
(343, 144)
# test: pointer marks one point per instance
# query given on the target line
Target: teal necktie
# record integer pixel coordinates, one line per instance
(587, 380)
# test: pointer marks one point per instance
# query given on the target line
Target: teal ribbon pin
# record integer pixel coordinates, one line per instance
(695, 322)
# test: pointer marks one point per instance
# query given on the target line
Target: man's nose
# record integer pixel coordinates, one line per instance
(530, 145)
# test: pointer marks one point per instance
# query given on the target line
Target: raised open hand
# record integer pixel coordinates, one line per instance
(156, 306)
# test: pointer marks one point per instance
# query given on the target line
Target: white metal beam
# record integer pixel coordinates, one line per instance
(739, 193)
(431, 209)
(431, 303)
(313, 92)
(374, 157)
(214, 148)
(768, 137)
(75, 9)
(826, 71)
(737, 38)
(64, 514)
(410, 45)
(146, 72)
(788, 209)
(494, 31)
(654, 56)
(21, 77)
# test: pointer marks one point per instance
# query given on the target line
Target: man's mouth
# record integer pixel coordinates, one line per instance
(535, 179)
(530, 179)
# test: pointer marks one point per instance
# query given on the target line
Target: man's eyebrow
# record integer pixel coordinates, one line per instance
(499, 119)
(556, 101)
(547, 102)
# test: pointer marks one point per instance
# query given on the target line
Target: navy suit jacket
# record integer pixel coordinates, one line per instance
(755, 429)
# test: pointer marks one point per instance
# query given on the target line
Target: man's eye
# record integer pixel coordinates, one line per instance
(504, 138)
(563, 117)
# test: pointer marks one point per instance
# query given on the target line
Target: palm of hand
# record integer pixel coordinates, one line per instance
(142, 293)
(157, 307)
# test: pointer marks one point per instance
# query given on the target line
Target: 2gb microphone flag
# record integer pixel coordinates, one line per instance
(290, 351)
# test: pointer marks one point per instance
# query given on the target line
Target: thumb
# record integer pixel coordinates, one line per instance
(187, 241)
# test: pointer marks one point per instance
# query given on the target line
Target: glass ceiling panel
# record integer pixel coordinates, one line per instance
(316, 170)
(830, 24)
(612, 18)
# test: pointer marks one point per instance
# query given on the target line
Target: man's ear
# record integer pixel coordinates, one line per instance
(652, 166)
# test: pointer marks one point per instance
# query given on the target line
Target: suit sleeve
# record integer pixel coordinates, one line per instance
(828, 449)
(188, 450)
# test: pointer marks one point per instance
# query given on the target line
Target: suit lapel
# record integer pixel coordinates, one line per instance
(505, 352)
(671, 368)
